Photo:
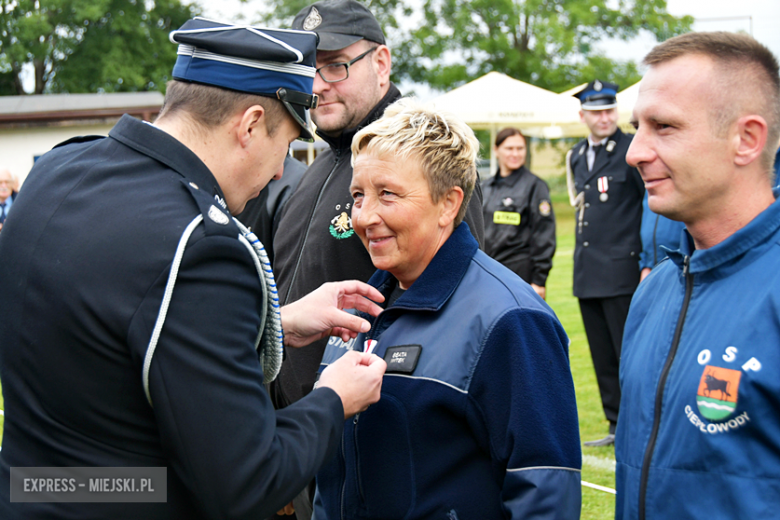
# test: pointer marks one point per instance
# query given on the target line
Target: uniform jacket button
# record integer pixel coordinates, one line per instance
(585, 244)
(587, 186)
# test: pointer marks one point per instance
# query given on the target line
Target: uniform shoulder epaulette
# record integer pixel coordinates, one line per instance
(80, 139)
(216, 218)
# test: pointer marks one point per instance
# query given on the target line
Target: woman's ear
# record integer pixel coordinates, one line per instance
(450, 206)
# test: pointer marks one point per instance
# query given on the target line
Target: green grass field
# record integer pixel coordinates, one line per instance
(598, 463)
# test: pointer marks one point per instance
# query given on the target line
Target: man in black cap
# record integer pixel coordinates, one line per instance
(316, 242)
(130, 331)
(607, 195)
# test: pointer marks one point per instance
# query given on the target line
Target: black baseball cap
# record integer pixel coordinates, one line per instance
(339, 24)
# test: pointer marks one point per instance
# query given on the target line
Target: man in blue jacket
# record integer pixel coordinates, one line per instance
(699, 429)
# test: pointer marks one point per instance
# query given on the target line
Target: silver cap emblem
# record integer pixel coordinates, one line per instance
(313, 20)
(597, 86)
(217, 216)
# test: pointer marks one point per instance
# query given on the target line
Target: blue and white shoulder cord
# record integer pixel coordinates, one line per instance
(270, 333)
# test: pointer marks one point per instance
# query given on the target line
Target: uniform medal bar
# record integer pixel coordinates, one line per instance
(369, 346)
(603, 188)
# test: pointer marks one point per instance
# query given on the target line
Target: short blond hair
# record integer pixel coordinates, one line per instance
(443, 144)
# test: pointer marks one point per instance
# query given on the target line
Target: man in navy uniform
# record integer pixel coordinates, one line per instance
(607, 195)
(130, 327)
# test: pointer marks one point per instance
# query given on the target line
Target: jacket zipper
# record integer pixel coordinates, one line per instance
(655, 242)
(337, 153)
(344, 483)
(660, 390)
(357, 456)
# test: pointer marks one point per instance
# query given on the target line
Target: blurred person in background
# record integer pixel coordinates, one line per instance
(519, 219)
(8, 189)
(607, 194)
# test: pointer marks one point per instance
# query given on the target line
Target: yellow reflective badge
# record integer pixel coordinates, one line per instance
(506, 217)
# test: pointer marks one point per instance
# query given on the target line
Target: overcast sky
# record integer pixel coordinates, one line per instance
(760, 16)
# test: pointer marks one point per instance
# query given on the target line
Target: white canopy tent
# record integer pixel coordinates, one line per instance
(626, 99)
(495, 100)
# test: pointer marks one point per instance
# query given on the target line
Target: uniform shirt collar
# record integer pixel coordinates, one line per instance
(591, 143)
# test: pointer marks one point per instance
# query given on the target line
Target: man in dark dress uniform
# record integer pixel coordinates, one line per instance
(607, 195)
(135, 303)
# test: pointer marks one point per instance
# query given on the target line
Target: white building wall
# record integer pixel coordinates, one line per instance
(19, 146)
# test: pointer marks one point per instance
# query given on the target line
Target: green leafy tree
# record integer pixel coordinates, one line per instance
(89, 45)
(549, 43)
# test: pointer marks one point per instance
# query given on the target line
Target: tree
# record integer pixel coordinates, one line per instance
(89, 45)
(548, 43)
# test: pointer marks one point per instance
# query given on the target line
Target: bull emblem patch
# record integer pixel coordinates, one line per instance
(718, 391)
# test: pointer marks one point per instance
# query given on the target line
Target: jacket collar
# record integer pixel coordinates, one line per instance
(157, 144)
(344, 141)
(512, 178)
(759, 233)
(440, 279)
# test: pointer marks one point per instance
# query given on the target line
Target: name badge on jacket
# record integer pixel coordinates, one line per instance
(506, 217)
(403, 358)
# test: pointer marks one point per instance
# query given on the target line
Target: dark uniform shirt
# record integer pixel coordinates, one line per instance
(85, 257)
(520, 224)
(606, 252)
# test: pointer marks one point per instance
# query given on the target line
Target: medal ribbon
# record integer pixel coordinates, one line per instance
(603, 184)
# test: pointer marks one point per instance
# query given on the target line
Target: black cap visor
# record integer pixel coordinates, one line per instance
(335, 41)
(297, 104)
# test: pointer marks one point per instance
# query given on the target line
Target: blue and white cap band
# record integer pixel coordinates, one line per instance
(249, 59)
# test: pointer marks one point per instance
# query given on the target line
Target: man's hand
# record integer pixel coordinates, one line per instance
(357, 378)
(320, 313)
(541, 291)
(645, 272)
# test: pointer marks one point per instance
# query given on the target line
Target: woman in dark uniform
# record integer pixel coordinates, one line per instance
(519, 220)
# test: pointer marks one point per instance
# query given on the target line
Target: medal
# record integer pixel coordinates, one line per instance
(603, 184)
(370, 345)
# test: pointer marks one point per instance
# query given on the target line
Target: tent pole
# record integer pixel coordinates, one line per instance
(493, 165)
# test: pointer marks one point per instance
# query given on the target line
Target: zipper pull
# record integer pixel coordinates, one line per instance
(355, 419)
(686, 264)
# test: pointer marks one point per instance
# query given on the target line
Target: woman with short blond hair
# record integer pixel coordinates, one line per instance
(477, 417)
